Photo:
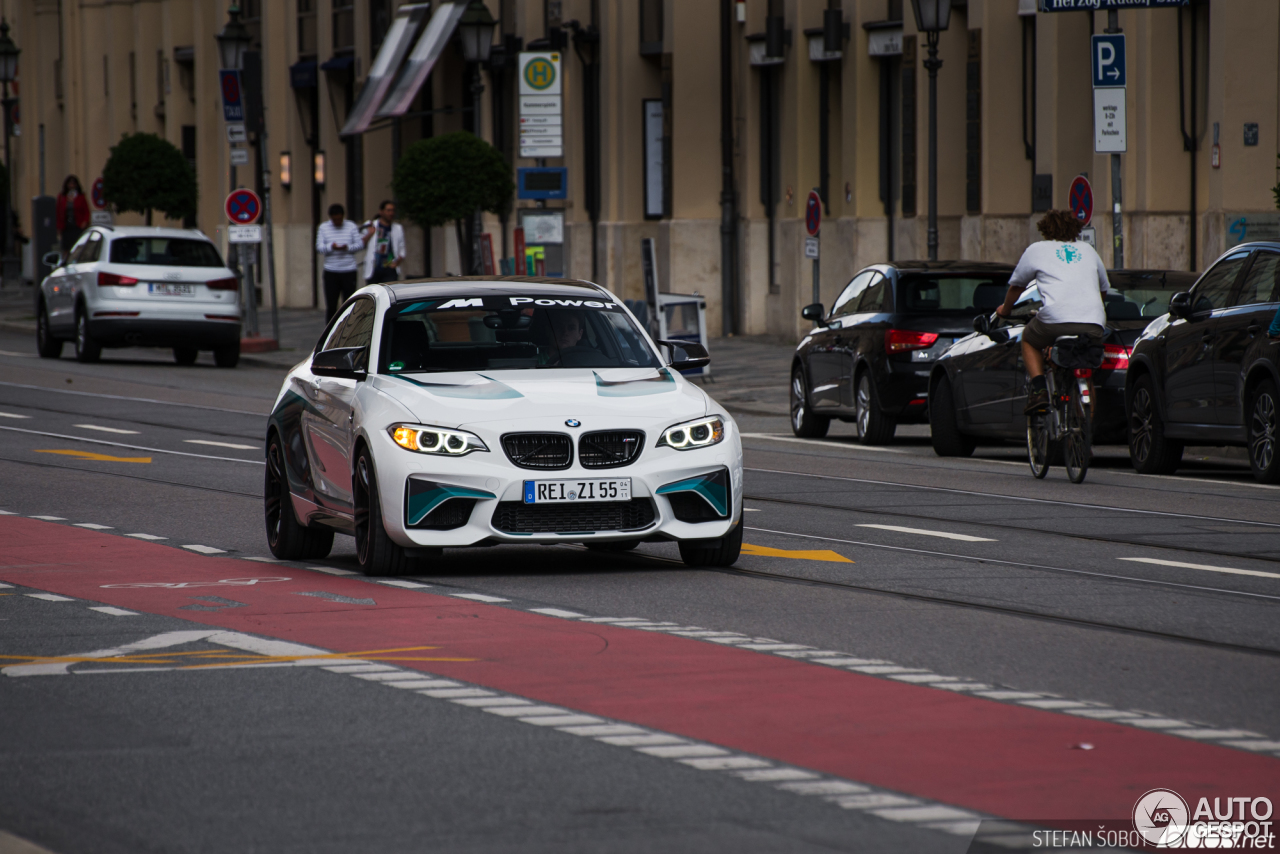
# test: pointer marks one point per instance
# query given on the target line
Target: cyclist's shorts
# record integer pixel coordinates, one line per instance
(1041, 335)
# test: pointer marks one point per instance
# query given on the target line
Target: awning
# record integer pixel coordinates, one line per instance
(395, 46)
(423, 59)
(302, 75)
(338, 63)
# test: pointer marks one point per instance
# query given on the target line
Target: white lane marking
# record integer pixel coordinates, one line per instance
(115, 612)
(525, 711)
(206, 550)
(221, 444)
(107, 429)
(479, 597)
(1202, 566)
(683, 751)
(12, 415)
(1015, 563)
(12, 353)
(146, 537)
(562, 720)
(93, 527)
(331, 570)
(6, 586)
(828, 444)
(7, 513)
(160, 641)
(263, 559)
(50, 518)
(130, 447)
(135, 399)
(50, 597)
(396, 582)
(557, 612)
(452, 693)
(924, 532)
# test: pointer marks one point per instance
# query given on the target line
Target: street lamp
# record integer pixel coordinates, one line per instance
(475, 28)
(233, 41)
(932, 17)
(8, 73)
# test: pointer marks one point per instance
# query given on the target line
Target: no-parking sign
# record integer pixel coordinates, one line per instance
(98, 194)
(243, 207)
(813, 214)
(1080, 199)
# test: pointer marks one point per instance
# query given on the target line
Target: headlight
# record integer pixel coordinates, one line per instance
(694, 434)
(435, 440)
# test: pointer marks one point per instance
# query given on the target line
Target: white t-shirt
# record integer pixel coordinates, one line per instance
(1071, 278)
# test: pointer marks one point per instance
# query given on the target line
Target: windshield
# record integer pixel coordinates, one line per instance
(164, 251)
(512, 332)
(1137, 295)
(939, 293)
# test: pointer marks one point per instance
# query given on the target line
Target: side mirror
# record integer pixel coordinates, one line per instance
(347, 363)
(814, 312)
(51, 259)
(982, 325)
(1180, 305)
(685, 355)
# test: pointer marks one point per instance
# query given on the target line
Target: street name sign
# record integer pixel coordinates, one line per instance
(1107, 5)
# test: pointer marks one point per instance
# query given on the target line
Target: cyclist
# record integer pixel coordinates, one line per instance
(1072, 279)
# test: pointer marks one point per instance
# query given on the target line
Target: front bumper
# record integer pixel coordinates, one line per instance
(479, 498)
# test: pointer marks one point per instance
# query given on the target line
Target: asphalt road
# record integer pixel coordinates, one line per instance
(910, 649)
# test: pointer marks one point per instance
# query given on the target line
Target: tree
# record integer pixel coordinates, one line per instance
(451, 177)
(146, 172)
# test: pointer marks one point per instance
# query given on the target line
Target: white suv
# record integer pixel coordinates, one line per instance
(136, 286)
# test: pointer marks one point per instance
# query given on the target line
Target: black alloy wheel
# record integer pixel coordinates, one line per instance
(1150, 451)
(944, 431)
(46, 345)
(1264, 433)
(87, 349)
(287, 539)
(874, 427)
(803, 422)
(376, 553)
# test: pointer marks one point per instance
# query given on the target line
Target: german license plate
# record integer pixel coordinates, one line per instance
(169, 289)
(564, 491)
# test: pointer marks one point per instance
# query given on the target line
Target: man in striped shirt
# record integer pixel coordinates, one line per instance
(338, 240)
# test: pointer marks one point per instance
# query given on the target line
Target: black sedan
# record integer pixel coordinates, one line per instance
(868, 361)
(978, 388)
(1206, 373)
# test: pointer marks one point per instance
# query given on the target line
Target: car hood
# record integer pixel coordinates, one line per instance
(639, 396)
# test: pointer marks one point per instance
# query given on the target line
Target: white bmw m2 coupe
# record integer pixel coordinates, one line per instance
(478, 411)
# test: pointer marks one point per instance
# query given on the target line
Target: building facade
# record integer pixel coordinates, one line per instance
(819, 94)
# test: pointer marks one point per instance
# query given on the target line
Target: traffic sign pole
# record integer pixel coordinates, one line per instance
(813, 224)
(1109, 73)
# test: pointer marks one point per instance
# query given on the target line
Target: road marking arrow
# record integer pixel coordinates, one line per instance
(800, 554)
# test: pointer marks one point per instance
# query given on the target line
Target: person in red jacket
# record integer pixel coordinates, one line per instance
(72, 213)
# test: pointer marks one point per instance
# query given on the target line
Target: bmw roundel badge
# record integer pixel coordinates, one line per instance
(573, 422)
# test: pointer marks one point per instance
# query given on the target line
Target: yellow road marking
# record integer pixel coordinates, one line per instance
(105, 458)
(815, 554)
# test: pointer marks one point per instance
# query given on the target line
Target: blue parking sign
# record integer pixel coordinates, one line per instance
(232, 104)
(1108, 61)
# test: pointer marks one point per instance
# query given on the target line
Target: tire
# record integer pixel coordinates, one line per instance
(1078, 444)
(185, 355)
(803, 422)
(46, 345)
(944, 433)
(1040, 450)
(624, 546)
(721, 552)
(1264, 433)
(227, 356)
(376, 553)
(874, 427)
(286, 537)
(1150, 451)
(87, 349)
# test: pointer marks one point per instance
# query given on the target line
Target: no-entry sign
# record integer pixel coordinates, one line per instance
(243, 207)
(1080, 199)
(813, 213)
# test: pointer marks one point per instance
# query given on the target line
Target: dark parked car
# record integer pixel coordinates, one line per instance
(978, 388)
(868, 360)
(1206, 373)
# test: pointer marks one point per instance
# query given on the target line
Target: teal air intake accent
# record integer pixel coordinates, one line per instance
(713, 488)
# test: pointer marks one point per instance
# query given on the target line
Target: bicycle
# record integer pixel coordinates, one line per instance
(1064, 434)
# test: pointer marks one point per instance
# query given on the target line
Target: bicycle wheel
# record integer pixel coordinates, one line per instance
(1079, 438)
(1039, 447)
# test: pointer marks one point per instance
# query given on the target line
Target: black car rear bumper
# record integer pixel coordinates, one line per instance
(199, 334)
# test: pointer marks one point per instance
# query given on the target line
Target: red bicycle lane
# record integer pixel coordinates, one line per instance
(1000, 759)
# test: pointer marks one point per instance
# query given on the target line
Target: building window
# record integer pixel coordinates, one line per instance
(651, 27)
(379, 23)
(307, 28)
(344, 26)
